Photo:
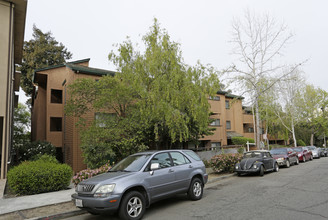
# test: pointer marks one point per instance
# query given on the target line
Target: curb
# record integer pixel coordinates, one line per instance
(60, 215)
(221, 178)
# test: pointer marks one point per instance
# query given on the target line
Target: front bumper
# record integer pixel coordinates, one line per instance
(251, 170)
(98, 205)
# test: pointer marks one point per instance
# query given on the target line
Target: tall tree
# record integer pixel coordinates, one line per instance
(258, 41)
(41, 51)
(290, 91)
(314, 105)
(161, 102)
(21, 135)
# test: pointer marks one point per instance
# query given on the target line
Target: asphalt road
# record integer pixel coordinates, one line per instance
(299, 192)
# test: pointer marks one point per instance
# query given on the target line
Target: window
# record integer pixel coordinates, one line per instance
(216, 98)
(228, 125)
(215, 145)
(102, 118)
(193, 155)
(227, 104)
(216, 122)
(163, 159)
(179, 159)
(250, 130)
(55, 124)
(56, 96)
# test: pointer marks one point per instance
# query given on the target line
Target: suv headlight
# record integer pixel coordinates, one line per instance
(104, 190)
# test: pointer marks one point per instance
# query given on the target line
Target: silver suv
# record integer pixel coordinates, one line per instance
(141, 179)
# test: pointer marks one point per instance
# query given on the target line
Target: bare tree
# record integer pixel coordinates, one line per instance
(290, 92)
(259, 42)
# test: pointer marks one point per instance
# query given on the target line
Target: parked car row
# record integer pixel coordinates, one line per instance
(261, 161)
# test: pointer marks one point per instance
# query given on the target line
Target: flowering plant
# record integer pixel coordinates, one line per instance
(225, 162)
(88, 173)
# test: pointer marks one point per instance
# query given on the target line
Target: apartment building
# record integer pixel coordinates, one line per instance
(12, 26)
(49, 123)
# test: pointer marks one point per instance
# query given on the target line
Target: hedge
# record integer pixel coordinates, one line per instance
(40, 176)
(225, 162)
(241, 140)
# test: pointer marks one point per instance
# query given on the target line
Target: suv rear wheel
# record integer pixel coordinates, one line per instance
(195, 191)
(133, 206)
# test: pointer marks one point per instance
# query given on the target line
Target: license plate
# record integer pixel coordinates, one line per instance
(78, 202)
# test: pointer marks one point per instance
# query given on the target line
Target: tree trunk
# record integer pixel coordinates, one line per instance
(293, 131)
(257, 120)
(311, 141)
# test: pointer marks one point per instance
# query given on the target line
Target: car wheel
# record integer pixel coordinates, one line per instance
(195, 191)
(304, 159)
(132, 206)
(238, 174)
(261, 173)
(297, 161)
(287, 163)
(276, 167)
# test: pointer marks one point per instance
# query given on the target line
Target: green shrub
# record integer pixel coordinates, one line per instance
(88, 173)
(225, 162)
(33, 150)
(43, 175)
(207, 163)
(241, 150)
(301, 143)
(241, 140)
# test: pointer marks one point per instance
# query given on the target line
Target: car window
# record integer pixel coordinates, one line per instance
(178, 158)
(252, 154)
(163, 159)
(193, 155)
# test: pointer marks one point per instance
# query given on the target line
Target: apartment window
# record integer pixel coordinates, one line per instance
(228, 125)
(216, 122)
(56, 96)
(101, 118)
(215, 145)
(215, 98)
(227, 104)
(250, 130)
(55, 124)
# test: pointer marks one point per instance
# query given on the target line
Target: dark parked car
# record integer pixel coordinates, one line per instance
(141, 179)
(258, 161)
(285, 156)
(303, 153)
(325, 152)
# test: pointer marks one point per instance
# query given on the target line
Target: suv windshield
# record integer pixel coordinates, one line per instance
(131, 163)
(278, 151)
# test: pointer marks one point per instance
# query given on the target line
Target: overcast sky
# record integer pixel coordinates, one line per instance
(89, 28)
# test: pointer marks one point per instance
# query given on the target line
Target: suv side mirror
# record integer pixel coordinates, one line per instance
(154, 166)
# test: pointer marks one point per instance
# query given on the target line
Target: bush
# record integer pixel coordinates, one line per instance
(225, 162)
(301, 143)
(33, 150)
(88, 173)
(40, 176)
(241, 150)
(241, 140)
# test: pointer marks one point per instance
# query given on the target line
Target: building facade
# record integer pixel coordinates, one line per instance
(49, 123)
(12, 26)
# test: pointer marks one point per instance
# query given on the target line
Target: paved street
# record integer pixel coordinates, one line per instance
(300, 192)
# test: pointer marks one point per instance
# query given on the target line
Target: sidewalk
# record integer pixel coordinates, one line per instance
(53, 205)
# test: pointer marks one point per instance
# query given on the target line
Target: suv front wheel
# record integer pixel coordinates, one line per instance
(195, 191)
(132, 206)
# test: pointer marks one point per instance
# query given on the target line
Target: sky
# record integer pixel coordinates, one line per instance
(91, 28)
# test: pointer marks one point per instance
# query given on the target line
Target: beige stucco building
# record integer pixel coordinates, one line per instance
(49, 123)
(231, 119)
(12, 26)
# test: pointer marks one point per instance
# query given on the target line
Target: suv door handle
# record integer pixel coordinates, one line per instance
(171, 170)
(190, 166)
